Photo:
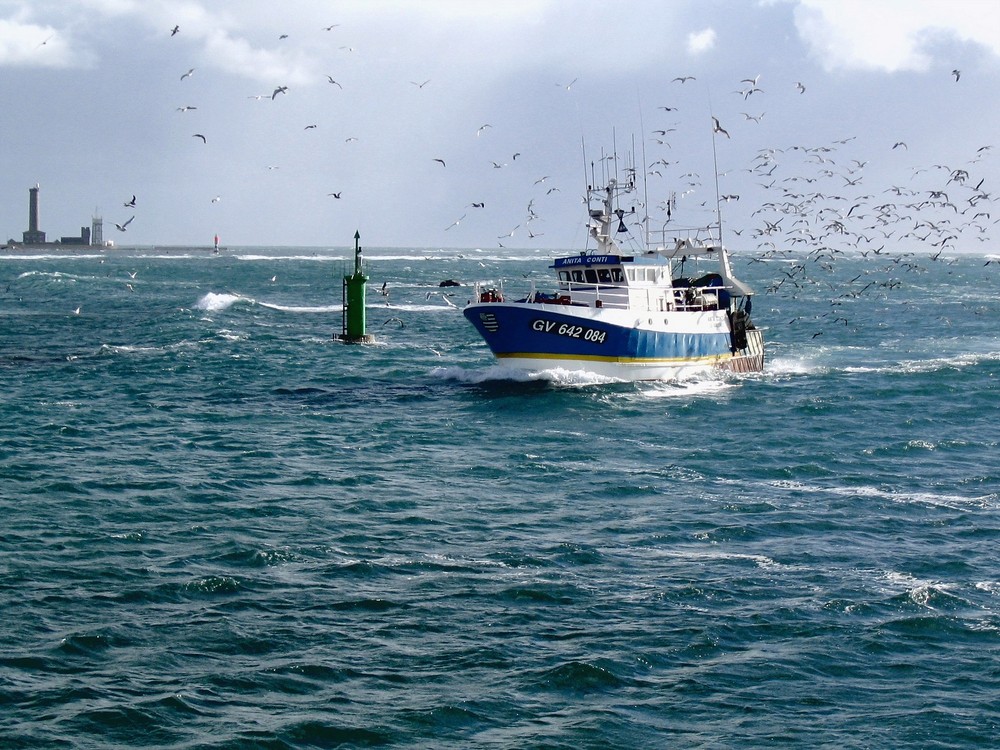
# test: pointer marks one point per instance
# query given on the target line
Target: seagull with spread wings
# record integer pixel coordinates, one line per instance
(717, 128)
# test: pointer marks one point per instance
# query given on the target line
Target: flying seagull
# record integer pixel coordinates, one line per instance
(455, 223)
(330, 79)
(279, 90)
(130, 203)
(442, 162)
(421, 85)
(957, 73)
(173, 31)
(199, 135)
(122, 227)
(685, 79)
(188, 74)
(336, 195)
(717, 128)
(800, 86)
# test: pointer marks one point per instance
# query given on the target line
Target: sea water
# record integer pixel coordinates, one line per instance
(221, 528)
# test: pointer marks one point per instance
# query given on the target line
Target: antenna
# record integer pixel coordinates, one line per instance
(614, 152)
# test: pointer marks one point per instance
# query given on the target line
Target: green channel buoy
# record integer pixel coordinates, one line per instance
(355, 285)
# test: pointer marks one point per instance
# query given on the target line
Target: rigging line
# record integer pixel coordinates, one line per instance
(645, 180)
(715, 169)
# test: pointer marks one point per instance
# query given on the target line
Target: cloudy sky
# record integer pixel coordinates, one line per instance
(516, 98)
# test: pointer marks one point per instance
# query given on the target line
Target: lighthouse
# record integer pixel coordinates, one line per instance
(33, 236)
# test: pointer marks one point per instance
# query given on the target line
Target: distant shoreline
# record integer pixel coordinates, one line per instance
(60, 249)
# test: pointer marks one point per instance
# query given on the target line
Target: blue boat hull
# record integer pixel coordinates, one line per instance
(607, 342)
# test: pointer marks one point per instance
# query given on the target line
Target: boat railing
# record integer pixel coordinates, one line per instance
(599, 294)
(653, 298)
(688, 298)
(676, 242)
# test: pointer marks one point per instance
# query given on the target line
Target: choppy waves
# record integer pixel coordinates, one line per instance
(223, 528)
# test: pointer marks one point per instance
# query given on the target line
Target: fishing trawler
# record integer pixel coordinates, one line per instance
(642, 315)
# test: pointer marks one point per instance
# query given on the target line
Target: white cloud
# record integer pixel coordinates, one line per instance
(893, 35)
(29, 44)
(240, 57)
(701, 41)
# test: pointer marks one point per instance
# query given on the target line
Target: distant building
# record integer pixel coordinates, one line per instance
(83, 239)
(97, 230)
(92, 235)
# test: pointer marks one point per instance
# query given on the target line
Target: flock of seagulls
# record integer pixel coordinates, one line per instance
(821, 206)
(817, 200)
(419, 84)
(815, 203)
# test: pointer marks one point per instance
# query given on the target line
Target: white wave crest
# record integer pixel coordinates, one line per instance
(297, 309)
(214, 302)
(892, 495)
(414, 308)
(322, 257)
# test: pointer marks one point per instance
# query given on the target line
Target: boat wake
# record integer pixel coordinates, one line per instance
(779, 366)
(501, 373)
(934, 364)
(685, 388)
